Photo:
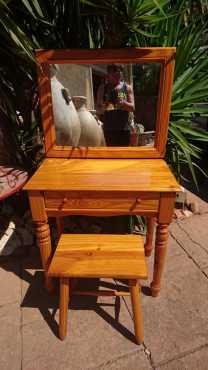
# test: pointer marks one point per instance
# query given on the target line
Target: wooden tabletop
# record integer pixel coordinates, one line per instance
(142, 175)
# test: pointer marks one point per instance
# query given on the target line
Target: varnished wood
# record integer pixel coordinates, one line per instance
(63, 307)
(101, 293)
(42, 231)
(81, 256)
(164, 56)
(59, 225)
(160, 255)
(154, 54)
(37, 206)
(44, 243)
(114, 177)
(43, 239)
(46, 106)
(149, 237)
(136, 308)
(166, 207)
(91, 255)
(111, 187)
(98, 212)
(77, 203)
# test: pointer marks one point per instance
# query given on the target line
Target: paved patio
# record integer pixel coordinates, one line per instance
(100, 336)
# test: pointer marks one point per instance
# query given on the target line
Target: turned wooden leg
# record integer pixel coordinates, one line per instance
(44, 243)
(136, 308)
(160, 254)
(149, 238)
(63, 307)
(59, 225)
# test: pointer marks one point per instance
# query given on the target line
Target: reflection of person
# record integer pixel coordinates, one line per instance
(115, 100)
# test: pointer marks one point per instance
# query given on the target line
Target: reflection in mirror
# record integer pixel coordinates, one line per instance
(105, 105)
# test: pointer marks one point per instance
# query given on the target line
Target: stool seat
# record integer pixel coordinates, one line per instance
(99, 255)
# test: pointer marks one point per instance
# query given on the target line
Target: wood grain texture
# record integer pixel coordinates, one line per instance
(46, 108)
(148, 247)
(99, 255)
(164, 56)
(37, 206)
(137, 312)
(59, 225)
(160, 256)
(101, 293)
(104, 55)
(163, 106)
(63, 307)
(40, 219)
(104, 175)
(76, 203)
(44, 243)
(166, 207)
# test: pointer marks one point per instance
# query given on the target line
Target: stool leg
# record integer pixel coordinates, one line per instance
(136, 308)
(63, 307)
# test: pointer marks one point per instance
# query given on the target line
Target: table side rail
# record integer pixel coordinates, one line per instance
(101, 203)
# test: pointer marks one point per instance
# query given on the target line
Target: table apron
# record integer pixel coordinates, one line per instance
(63, 203)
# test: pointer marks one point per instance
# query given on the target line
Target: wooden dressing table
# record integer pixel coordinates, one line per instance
(105, 181)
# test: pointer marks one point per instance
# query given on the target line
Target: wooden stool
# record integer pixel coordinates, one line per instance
(99, 256)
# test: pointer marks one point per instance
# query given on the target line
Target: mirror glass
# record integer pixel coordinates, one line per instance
(105, 104)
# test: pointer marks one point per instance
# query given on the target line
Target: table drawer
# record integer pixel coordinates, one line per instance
(64, 201)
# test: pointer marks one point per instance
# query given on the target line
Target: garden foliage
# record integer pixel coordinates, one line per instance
(26, 25)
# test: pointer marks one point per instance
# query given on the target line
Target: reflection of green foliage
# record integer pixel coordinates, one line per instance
(26, 25)
(190, 89)
(146, 79)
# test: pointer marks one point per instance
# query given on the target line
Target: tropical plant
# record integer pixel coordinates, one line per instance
(182, 24)
(189, 90)
(26, 25)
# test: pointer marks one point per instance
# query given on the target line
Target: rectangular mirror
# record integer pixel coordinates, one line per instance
(106, 103)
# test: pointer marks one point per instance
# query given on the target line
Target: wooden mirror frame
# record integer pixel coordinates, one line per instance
(164, 56)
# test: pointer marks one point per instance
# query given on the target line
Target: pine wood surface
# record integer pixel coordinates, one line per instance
(97, 203)
(105, 55)
(63, 307)
(136, 308)
(111, 175)
(99, 255)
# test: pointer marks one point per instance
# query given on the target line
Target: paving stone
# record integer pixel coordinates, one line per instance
(192, 198)
(10, 337)
(136, 360)
(94, 337)
(10, 287)
(177, 320)
(192, 234)
(173, 250)
(206, 271)
(35, 298)
(197, 360)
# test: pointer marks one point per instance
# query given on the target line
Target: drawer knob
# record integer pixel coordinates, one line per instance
(137, 201)
(63, 203)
